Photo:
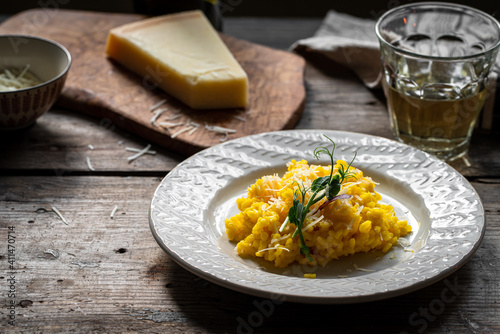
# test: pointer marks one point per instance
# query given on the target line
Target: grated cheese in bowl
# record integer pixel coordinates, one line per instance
(12, 79)
(33, 72)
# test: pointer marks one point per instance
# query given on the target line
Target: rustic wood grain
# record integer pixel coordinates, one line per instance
(58, 144)
(100, 87)
(99, 274)
(110, 276)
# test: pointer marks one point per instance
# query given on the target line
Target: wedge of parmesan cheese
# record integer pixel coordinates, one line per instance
(184, 56)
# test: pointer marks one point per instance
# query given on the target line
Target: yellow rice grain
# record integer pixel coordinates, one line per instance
(309, 275)
(343, 227)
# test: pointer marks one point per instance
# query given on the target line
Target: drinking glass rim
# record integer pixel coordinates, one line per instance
(440, 4)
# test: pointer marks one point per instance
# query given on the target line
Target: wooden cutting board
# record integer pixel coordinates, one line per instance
(99, 87)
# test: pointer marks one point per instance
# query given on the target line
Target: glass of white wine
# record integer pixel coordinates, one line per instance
(436, 59)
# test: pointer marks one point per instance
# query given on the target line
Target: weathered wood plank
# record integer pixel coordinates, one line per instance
(99, 87)
(59, 144)
(59, 141)
(336, 99)
(99, 274)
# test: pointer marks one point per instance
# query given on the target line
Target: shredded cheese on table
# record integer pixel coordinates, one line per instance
(136, 150)
(89, 164)
(139, 154)
(173, 117)
(219, 129)
(59, 214)
(114, 211)
(185, 129)
(193, 130)
(167, 125)
(158, 105)
(157, 113)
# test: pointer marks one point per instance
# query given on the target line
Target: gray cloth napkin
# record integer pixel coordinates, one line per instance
(349, 41)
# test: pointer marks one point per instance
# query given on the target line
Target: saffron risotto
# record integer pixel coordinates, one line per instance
(355, 223)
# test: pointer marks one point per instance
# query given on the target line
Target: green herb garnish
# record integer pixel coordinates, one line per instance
(323, 187)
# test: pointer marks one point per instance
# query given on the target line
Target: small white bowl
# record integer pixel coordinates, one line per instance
(49, 61)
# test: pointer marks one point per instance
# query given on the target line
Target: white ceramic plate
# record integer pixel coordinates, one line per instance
(189, 207)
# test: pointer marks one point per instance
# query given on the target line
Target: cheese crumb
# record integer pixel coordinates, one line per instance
(158, 105)
(185, 129)
(139, 154)
(167, 125)
(219, 129)
(157, 113)
(89, 164)
(114, 211)
(59, 214)
(362, 269)
(136, 150)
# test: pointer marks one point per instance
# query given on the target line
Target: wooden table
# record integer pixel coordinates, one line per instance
(101, 274)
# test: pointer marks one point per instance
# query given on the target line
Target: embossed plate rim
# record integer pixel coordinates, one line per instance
(176, 215)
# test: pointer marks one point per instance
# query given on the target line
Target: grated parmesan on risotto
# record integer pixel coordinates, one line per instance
(348, 225)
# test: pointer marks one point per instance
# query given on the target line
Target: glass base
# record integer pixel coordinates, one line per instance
(447, 150)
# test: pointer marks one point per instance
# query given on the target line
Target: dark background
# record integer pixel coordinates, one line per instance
(270, 8)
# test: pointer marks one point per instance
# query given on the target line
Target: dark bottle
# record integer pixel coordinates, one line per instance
(160, 7)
